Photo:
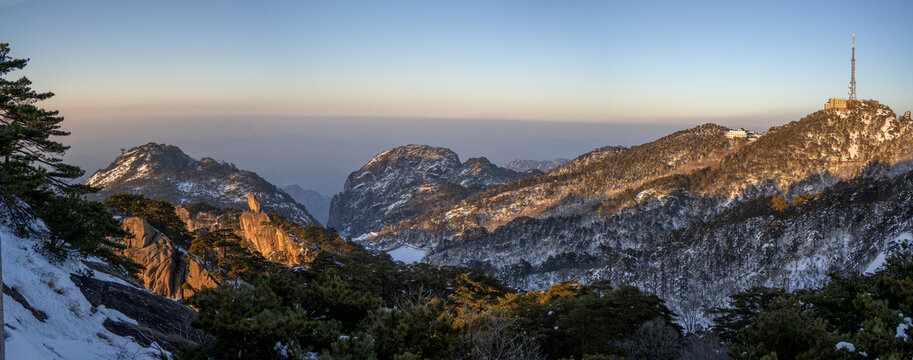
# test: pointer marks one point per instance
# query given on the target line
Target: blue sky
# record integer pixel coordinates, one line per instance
(543, 60)
(572, 62)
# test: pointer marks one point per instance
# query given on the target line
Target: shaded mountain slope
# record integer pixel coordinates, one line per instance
(316, 203)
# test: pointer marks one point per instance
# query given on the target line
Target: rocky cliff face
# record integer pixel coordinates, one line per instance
(170, 271)
(520, 165)
(204, 220)
(316, 203)
(167, 267)
(634, 215)
(407, 180)
(269, 240)
(164, 172)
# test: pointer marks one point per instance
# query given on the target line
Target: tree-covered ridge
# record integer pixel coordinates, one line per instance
(363, 306)
(625, 238)
(801, 156)
(596, 175)
(159, 214)
(828, 143)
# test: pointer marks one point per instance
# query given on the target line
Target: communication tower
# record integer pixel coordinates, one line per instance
(852, 91)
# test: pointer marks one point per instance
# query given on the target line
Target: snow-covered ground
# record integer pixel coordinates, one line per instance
(879, 261)
(72, 328)
(407, 254)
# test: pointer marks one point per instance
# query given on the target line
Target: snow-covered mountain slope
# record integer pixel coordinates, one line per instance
(521, 165)
(164, 172)
(316, 203)
(408, 180)
(695, 259)
(802, 156)
(576, 187)
(75, 310)
(624, 214)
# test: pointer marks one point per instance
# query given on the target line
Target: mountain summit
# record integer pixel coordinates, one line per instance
(408, 180)
(164, 172)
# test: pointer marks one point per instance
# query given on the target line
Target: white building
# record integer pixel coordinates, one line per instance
(734, 134)
(743, 134)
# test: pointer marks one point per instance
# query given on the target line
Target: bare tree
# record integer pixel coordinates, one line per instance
(494, 336)
(653, 340)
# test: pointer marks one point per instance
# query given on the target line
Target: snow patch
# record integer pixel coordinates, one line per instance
(901, 331)
(364, 236)
(407, 254)
(843, 345)
(880, 260)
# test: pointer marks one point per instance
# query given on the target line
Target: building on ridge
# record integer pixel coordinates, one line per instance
(741, 133)
(851, 102)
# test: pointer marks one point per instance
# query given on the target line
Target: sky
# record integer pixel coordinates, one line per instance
(307, 91)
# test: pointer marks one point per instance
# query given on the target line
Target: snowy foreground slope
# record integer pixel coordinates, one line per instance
(66, 310)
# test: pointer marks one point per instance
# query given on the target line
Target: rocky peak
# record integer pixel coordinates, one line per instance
(402, 181)
(164, 172)
(479, 171)
(403, 165)
(166, 155)
(410, 153)
(252, 203)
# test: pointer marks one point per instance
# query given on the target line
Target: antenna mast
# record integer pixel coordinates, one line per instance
(852, 91)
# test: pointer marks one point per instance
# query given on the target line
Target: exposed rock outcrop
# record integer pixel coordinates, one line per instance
(252, 203)
(157, 320)
(264, 237)
(201, 220)
(166, 267)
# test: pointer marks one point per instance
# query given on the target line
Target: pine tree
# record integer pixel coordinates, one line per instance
(34, 180)
(31, 165)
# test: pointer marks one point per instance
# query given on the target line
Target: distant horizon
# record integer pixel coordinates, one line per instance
(306, 92)
(318, 153)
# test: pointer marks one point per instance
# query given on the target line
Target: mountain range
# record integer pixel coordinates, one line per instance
(692, 217)
(688, 216)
